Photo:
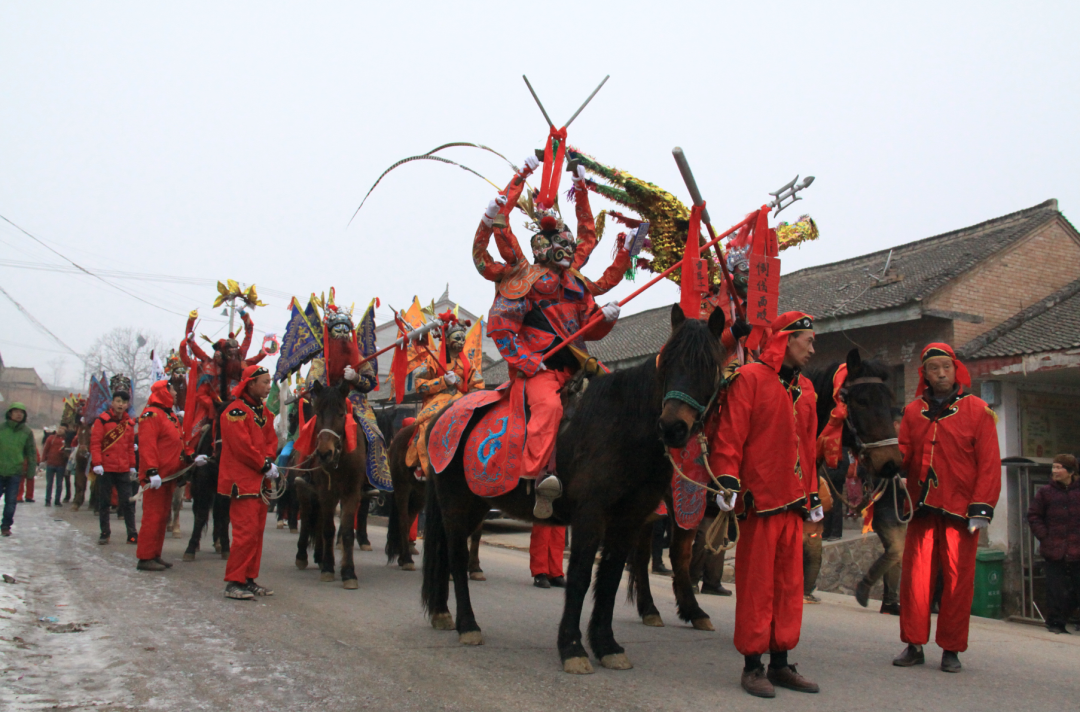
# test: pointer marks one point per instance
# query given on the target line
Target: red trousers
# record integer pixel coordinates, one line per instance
(545, 412)
(248, 518)
(27, 484)
(413, 531)
(156, 511)
(935, 543)
(769, 583)
(546, 546)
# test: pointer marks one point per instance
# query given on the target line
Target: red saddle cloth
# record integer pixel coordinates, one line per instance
(494, 449)
(688, 499)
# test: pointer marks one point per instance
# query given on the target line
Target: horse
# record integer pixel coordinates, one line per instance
(614, 472)
(205, 500)
(82, 461)
(406, 501)
(340, 480)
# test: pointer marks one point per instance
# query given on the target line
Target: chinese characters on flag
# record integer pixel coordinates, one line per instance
(763, 295)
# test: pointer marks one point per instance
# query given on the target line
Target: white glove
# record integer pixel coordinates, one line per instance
(179, 414)
(201, 460)
(351, 374)
(724, 505)
(191, 336)
(272, 473)
(817, 513)
(451, 378)
(493, 209)
(579, 176)
(136, 449)
(531, 163)
(610, 311)
(977, 523)
(155, 481)
(542, 367)
(132, 471)
(99, 470)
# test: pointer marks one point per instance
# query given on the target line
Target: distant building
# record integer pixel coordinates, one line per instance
(44, 405)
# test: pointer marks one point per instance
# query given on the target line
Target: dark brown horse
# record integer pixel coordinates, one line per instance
(339, 480)
(614, 472)
(406, 501)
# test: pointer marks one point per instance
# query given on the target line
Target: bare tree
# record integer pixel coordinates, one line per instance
(126, 350)
(58, 367)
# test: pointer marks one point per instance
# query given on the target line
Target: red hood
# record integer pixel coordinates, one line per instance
(160, 396)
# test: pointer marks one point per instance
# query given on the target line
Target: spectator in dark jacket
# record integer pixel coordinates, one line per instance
(1054, 517)
(55, 455)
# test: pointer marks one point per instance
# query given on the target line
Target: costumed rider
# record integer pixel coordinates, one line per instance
(439, 391)
(342, 363)
(539, 305)
(765, 451)
(161, 456)
(248, 446)
(949, 441)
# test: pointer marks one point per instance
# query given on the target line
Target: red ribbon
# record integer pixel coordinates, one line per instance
(690, 285)
(549, 182)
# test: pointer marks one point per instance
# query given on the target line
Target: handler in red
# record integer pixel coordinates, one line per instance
(765, 450)
(161, 455)
(248, 447)
(949, 441)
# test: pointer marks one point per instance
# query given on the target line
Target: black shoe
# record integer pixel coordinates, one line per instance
(103, 539)
(47, 504)
(164, 563)
(29, 501)
(238, 591)
(911, 656)
(1058, 629)
(862, 593)
(950, 661)
(662, 570)
(258, 590)
(558, 581)
(541, 581)
(133, 539)
(5, 532)
(715, 590)
(890, 609)
(149, 565)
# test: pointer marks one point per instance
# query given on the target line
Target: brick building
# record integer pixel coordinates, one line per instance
(44, 405)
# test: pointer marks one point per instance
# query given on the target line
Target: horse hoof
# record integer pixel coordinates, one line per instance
(442, 621)
(414, 551)
(577, 666)
(351, 584)
(326, 576)
(217, 547)
(653, 620)
(301, 564)
(189, 557)
(365, 547)
(473, 637)
(702, 624)
(176, 535)
(616, 661)
(408, 567)
(225, 555)
(293, 530)
(478, 576)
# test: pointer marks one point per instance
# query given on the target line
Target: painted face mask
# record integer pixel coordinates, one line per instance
(339, 325)
(551, 248)
(455, 338)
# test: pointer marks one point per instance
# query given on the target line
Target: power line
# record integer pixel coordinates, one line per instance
(83, 269)
(37, 323)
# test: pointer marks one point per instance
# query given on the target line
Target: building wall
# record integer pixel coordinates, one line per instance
(44, 407)
(1005, 284)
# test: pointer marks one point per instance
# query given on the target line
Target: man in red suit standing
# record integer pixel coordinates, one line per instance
(112, 455)
(248, 447)
(765, 450)
(949, 441)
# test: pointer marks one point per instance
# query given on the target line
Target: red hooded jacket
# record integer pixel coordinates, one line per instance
(248, 446)
(161, 445)
(112, 442)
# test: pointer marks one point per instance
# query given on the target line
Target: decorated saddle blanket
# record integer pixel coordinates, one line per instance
(687, 498)
(494, 448)
(378, 467)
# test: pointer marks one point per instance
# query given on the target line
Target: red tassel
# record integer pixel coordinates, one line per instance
(350, 430)
(549, 183)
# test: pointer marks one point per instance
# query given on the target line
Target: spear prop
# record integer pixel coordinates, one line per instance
(438, 364)
(404, 339)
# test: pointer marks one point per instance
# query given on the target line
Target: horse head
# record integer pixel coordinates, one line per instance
(689, 374)
(331, 405)
(870, 431)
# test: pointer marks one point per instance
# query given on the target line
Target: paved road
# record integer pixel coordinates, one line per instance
(170, 641)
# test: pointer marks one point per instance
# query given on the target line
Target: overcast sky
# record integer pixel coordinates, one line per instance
(234, 140)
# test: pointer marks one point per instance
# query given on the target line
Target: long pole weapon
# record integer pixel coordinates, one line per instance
(443, 370)
(403, 339)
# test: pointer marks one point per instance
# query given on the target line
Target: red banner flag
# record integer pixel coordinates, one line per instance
(694, 278)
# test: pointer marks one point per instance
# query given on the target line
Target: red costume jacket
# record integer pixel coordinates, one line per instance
(953, 462)
(764, 446)
(55, 455)
(112, 442)
(161, 446)
(248, 446)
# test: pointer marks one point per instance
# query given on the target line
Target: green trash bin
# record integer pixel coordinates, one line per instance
(989, 575)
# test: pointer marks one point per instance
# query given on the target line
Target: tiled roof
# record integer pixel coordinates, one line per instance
(1050, 324)
(633, 336)
(916, 269)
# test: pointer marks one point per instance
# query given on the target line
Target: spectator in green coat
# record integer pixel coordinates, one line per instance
(18, 456)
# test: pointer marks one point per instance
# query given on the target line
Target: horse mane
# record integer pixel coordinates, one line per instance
(326, 398)
(633, 391)
(823, 385)
(692, 348)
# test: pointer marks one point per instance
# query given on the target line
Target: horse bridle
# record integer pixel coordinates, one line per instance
(702, 410)
(860, 446)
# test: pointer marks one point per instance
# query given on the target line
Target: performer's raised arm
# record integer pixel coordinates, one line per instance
(505, 241)
(249, 329)
(586, 223)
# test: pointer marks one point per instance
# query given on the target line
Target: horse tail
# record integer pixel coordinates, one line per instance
(393, 529)
(436, 554)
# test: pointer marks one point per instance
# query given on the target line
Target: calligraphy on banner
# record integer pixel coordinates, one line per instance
(763, 295)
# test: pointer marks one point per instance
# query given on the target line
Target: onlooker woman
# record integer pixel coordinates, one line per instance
(1054, 517)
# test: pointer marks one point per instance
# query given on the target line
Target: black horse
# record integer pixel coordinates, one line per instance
(206, 500)
(611, 460)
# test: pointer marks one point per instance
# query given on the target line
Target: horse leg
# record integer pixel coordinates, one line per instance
(305, 528)
(617, 542)
(682, 544)
(361, 523)
(349, 507)
(435, 587)
(327, 504)
(583, 547)
(458, 530)
(475, 572)
(640, 587)
(221, 523)
(397, 532)
(201, 501)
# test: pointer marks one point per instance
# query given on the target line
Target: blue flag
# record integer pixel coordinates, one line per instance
(365, 338)
(299, 345)
(99, 398)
